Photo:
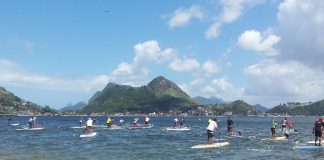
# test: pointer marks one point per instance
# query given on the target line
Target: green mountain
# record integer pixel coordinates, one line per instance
(160, 94)
(237, 107)
(11, 104)
(311, 109)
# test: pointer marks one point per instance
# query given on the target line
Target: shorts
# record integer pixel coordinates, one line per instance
(318, 133)
(273, 130)
(210, 134)
(229, 129)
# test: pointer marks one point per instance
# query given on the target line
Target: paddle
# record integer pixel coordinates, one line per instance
(238, 132)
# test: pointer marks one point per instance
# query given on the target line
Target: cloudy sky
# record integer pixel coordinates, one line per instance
(261, 51)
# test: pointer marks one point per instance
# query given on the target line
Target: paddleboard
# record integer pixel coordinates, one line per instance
(276, 139)
(140, 126)
(310, 148)
(177, 129)
(99, 126)
(14, 124)
(313, 142)
(30, 129)
(89, 135)
(115, 127)
(78, 127)
(212, 145)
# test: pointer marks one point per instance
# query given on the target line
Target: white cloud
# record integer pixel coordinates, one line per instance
(184, 65)
(182, 16)
(222, 88)
(300, 24)
(150, 51)
(231, 11)
(213, 31)
(14, 75)
(255, 41)
(197, 82)
(123, 69)
(284, 81)
(210, 67)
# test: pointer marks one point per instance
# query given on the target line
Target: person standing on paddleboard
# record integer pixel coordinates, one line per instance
(175, 122)
(9, 121)
(81, 121)
(89, 126)
(30, 122)
(284, 125)
(182, 121)
(109, 122)
(121, 122)
(212, 125)
(147, 121)
(135, 122)
(273, 128)
(230, 125)
(318, 131)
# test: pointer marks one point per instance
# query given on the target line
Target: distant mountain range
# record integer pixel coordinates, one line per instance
(260, 108)
(211, 100)
(311, 109)
(75, 107)
(160, 94)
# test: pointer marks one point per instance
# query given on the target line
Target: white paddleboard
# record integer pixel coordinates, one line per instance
(140, 126)
(78, 127)
(14, 124)
(276, 139)
(310, 148)
(89, 135)
(30, 129)
(313, 142)
(212, 145)
(115, 127)
(177, 129)
(99, 126)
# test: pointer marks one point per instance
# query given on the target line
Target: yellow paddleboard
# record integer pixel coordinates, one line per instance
(276, 139)
(212, 145)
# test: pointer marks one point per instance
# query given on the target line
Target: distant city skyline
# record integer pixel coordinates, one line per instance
(263, 52)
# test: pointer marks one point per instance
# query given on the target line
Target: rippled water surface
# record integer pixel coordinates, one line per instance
(59, 141)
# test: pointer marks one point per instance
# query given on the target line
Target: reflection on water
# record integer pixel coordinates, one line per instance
(59, 141)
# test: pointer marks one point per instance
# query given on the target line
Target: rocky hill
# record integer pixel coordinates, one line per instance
(160, 94)
(11, 104)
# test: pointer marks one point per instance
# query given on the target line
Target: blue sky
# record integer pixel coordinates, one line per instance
(266, 52)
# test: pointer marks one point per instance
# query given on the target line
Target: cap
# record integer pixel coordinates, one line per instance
(215, 119)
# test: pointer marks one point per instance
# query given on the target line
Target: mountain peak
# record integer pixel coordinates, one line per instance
(161, 84)
(3, 90)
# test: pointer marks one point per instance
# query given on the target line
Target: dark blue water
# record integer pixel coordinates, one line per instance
(59, 141)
